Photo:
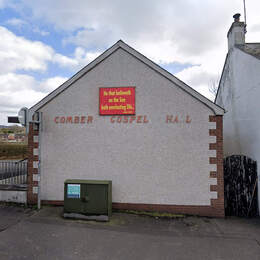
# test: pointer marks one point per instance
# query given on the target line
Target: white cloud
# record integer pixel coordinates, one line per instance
(98, 38)
(39, 31)
(64, 61)
(16, 22)
(253, 24)
(11, 102)
(199, 77)
(15, 87)
(84, 57)
(19, 90)
(80, 59)
(18, 53)
(11, 83)
(166, 31)
(50, 84)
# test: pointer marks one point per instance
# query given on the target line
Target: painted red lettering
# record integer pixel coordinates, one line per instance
(112, 119)
(69, 119)
(76, 119)
(56, 119)
(145, 120)
(188, 119)
(83, 120)
(132, 118)
(139, 119)
(90, 119)
(62, 120)
(169, 119)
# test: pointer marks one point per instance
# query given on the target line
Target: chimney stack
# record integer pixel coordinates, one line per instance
(236, 33)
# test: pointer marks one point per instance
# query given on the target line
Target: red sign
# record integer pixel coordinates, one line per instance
(117, 101)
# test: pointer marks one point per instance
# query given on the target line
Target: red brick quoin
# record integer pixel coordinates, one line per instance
(217, 205)
(216, 209)
(31, 191)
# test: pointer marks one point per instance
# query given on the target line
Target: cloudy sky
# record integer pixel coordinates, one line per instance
(45, 42)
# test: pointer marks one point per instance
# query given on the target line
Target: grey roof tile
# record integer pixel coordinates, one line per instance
(251, 48)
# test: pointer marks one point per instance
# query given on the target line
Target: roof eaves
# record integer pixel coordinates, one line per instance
(222, 73)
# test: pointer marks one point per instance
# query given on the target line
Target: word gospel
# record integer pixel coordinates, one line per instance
(143, 119)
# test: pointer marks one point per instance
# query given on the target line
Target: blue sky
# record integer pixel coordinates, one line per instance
(20, 24)
(45, 42)
(35, 30)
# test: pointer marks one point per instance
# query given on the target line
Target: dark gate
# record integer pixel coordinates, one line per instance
(240, 180)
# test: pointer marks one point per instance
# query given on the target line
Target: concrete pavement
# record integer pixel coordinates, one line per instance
(44, 234)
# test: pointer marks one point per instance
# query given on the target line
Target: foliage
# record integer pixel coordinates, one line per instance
(13, 151)
(15, 129)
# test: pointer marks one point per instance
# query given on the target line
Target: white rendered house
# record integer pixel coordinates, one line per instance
(239, 95)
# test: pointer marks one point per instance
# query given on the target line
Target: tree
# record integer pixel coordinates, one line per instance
(213, 86)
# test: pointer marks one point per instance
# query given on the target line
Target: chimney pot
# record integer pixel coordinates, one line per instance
(236, 17)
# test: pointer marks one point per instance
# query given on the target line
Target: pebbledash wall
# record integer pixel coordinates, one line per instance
(168, 157)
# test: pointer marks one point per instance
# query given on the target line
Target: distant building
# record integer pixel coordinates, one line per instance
(239, 94)
(20, 138)
(4, 137)
(11, 138)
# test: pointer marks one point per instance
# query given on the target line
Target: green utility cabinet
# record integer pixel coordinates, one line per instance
(88, 197)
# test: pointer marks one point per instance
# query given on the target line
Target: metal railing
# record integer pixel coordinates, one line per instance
(13, 172)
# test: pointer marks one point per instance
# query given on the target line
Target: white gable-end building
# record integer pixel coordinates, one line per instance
(239, 94)
(124, 118)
